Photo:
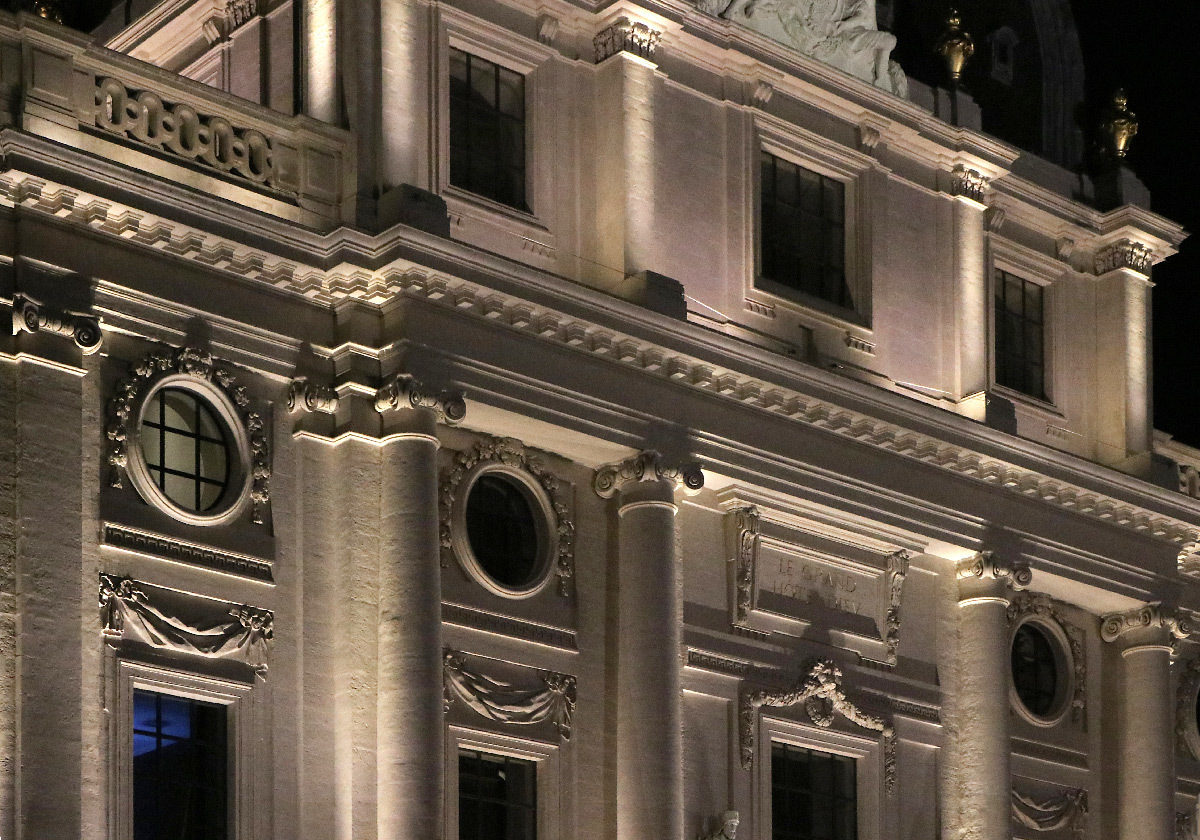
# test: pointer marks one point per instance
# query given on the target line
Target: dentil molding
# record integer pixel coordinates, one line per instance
(647, 466)
(511, 453)
(404, 392)
(551, 698)
(1047, 609)
(1149, 617)
(820, 693)
(216, 253)
(33, 317)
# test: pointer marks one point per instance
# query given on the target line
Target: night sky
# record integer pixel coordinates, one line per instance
(1151, 50)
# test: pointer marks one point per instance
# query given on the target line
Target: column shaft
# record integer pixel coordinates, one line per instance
(410, 745)
(1146, 783)
(649, 735)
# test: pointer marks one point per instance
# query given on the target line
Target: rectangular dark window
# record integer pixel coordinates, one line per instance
(803, 236)
(1020, 333)
(180, 768)
(487, 129)
(497, 797)
(814, 795)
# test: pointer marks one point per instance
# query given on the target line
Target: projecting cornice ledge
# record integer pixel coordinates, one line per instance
(68, 206)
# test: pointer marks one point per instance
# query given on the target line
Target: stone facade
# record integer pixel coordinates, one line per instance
(760, 517)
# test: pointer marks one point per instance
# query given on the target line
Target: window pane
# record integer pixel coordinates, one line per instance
(487, 129)
(496, 797)
(1019, 334)
(483, 82)
(813, 795)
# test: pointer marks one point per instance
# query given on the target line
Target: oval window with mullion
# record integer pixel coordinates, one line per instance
(186, 449)
(1035, 670)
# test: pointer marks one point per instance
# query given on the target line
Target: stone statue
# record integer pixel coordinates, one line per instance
(842, 33)
(728, 829)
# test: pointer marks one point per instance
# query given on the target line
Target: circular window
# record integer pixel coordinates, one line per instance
(1036, 670)
(503, 536)
(190, 452)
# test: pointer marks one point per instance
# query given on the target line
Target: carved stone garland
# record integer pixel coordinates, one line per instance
(552, 700)
(229, 631)
(1185, 707)
(1043, 606)
(200, 364)
(821, 694)
(1068, 808)
(511, 453)
(747, 523)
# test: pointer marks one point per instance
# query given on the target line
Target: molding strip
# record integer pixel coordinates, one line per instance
(156, 545)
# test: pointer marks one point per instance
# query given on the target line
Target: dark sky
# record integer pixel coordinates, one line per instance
(1150, 49)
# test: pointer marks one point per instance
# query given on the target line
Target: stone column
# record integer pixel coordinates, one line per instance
(1146, 775)
(970, 289)
(979, 746)
(647, 629)
(410, 727)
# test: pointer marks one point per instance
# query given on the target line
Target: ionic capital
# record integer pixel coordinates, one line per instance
(1150, 618)
(647, 466)
(404, 392)
(33, 317)
(305, 396)
(984, 566)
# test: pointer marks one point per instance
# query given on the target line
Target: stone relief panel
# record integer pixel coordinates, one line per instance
(820, 693)
(1065, 811)
(783, 578)
(192, 624)
(842, 33)
(548, 696)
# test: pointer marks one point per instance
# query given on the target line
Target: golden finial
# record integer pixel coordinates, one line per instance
(1118, 125)
(955, 46)
(49, 9)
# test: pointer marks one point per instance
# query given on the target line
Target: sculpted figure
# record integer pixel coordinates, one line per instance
(839, 32)
(728, 829)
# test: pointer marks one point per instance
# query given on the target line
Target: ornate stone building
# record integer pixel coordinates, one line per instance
(545, 420)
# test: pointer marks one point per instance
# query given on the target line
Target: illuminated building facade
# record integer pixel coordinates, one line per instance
(538, 420)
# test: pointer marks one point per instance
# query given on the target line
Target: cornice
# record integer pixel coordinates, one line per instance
(651, 344)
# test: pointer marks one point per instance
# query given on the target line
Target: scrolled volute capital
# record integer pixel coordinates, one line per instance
(305, 396)
(1150, 617)
(647, 466)
(985, 566)
(403, 391)
(32, 316)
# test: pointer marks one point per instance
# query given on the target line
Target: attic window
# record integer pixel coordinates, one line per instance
(1004, 50)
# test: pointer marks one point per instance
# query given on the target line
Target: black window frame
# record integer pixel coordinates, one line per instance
(471, 792)
(802, 233)
(796, 792)
(1037, 670)
(493, 166)
(1019, 334)
(158, 469)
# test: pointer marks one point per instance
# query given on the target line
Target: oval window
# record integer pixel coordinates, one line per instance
(186, 449)
(504, 533)
(1035, 670)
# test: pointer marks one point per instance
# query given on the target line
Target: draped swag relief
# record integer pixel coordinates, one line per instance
(552, 698)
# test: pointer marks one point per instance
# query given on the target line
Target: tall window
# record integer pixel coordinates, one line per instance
(803, 237)
(180, 770)
(487, 129)
(814, 795)
(497, 797)
(1020, 328)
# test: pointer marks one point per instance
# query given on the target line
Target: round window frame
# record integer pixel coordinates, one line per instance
(236, 496)
(544, 521)
(1065, 689)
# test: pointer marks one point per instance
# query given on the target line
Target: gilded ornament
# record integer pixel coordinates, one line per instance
(955, 46)
(1118, 125)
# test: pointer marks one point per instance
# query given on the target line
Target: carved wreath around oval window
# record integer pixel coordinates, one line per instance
(512, 455)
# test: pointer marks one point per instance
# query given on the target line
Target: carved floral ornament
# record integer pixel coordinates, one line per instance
(968, 182)
(820, 693)
(305, 396)
(747, 529)
(625, 35)
(199, 366)
(223, 631)
(647, 466)
(33, 317)
(510, 453)
(550, 698)
(1124, 253)
(1149, 617)
(1046, 609)
(985, 566)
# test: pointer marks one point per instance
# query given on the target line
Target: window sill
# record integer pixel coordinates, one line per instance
(497, 227)
(810, 309)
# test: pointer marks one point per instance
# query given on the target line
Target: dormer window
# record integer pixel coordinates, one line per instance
(1004, 51)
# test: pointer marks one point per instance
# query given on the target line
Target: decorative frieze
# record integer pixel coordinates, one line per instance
(305, 396)
(139, 612)
(625, 35)
(551, 698)
(647, 466)
(511, 453)
(985, 566)
(820, 693)
(405, 392)
(179, 129)
(1149, 617)
(157, 545)
(1124, 254)
(1068, 809)
(33, 317)
(968, 182)
(1046, 608)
